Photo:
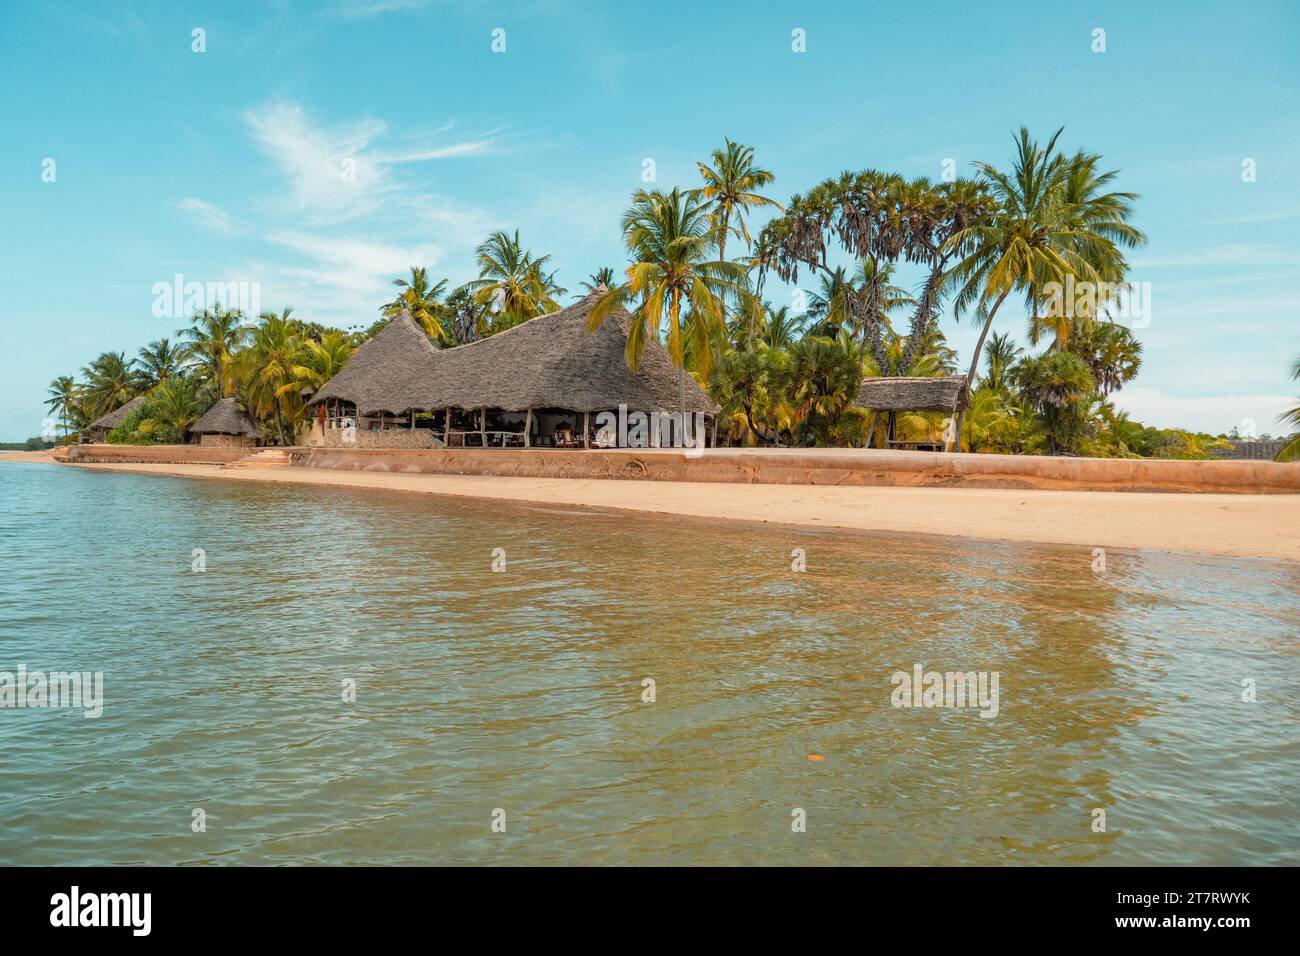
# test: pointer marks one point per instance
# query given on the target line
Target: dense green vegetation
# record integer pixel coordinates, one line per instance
(783, 374)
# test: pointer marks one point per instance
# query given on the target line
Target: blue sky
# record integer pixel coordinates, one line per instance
(228, 165)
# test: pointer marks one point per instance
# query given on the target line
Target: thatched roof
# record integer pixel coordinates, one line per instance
(117, 416)
(549, 361)
(936, 393)
(397, 352)
(225, 418)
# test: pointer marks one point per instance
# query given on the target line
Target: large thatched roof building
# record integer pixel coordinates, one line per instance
(98, 430)
(226, 424)
(372, 380)
(539, 375)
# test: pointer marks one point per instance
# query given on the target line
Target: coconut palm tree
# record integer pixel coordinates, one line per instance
(173, 406)
(831, 308)
(1000, 354)
(783, 328)
(672, 283)
(604, 276)
(64, 394)
(1033, 238)
(514, 281)
(110, 383)
(267, 365)
(158, 361)
(318, 362)
(211, 343)
(423, 301)
(1092, 211)
(729, 190)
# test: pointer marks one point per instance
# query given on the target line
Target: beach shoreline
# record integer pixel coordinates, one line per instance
(1230, 525)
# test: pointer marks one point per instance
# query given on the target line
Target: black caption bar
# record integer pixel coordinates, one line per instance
(335, 905)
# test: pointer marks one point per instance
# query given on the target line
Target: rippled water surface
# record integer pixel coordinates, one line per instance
(521, 690)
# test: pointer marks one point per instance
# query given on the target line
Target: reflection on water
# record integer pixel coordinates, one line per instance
(521, 690)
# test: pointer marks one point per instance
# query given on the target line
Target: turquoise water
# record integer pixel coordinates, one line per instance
(521, 690)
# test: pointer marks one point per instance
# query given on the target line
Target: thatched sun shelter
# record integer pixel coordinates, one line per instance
(911, 393)
(937, 393)
(97, 431)
(227, 425)
(543, 382)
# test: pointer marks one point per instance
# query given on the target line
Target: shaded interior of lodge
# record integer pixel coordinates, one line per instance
(547, 382)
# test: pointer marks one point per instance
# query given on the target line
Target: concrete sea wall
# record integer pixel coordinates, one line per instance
(825, 467)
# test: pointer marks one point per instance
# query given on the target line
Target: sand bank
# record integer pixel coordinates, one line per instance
(1266, 526)
(46, 455)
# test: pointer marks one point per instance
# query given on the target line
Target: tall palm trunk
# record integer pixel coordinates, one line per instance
(974, 364)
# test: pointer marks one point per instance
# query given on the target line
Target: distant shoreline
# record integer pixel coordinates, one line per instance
(1232, 525)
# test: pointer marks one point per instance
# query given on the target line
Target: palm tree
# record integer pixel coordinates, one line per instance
(729, 189)
(211, 342)
(268, 364)
(158, 361)
(747, 385)
(173, 408)
(604, 276)
(783, 328)
(831, 305)
(318, 362)
(1093, 213)
(1000, 354)
(671, 281)
(423, 302)
(878, 218)
(1291, 451)
(110, 383)
(64, 393)
(469, 317)
(1112, 352)
(1034, 237)
(513, 280)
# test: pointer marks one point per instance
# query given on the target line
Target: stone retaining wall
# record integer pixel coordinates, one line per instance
(826, 467)
(153, 454)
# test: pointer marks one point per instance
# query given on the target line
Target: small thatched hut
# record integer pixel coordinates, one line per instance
(936, 393)
(227, 425)
(543, 382)
(911, 393)
(98, 430)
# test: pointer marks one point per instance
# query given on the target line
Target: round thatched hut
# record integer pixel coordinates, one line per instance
(227, 425)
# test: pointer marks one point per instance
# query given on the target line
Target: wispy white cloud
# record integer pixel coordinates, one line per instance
(337, 174)
(211, 217)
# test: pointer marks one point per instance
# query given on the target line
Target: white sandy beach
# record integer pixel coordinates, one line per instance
(1264, 526)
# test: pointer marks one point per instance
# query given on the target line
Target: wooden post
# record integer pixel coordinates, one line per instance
(586, 427)
(482, 426)
(528, 428)
(446, 427)
(413, 419)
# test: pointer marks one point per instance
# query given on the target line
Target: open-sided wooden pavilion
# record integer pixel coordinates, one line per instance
(911, 393)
